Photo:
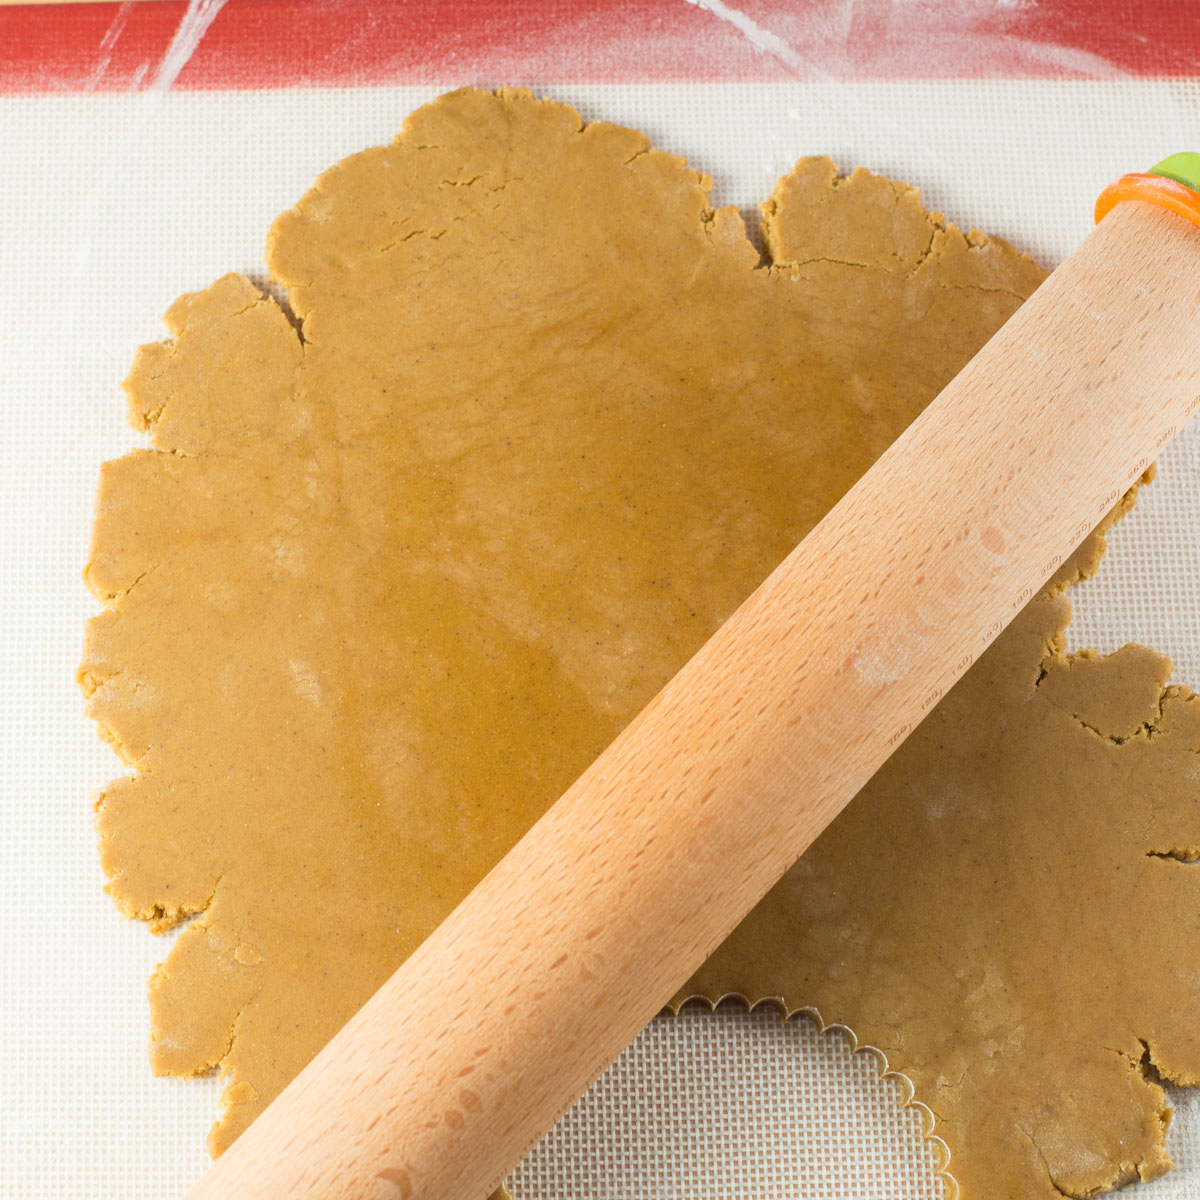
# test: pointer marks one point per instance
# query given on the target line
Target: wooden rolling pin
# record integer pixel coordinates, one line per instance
(581, 934)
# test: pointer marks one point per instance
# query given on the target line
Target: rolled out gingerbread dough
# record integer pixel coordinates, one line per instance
(384, 586)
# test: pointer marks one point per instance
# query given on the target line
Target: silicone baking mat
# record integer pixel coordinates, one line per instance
(144, 149)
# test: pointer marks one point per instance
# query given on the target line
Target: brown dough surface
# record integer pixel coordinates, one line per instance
(378, 594)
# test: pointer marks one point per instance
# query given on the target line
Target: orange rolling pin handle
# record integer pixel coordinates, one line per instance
(1174, 184)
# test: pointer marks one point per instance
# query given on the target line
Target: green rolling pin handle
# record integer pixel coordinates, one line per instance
(1173, 184)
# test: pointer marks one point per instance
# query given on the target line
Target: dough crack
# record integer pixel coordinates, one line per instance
(935, 227)
(231, 1038)
(408, 237)
(111, 598)
(1187, 855)
(840, 262)
(221, 1056)
(1146, 730)
(986, 291)
(1058, 1188)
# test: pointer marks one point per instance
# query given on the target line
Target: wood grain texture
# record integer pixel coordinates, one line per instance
(628, 883)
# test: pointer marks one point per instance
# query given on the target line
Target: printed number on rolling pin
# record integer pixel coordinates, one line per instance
(930, 699)
(1023, 598)
(926, 703)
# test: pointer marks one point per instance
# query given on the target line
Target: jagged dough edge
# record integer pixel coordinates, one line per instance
(160, 920)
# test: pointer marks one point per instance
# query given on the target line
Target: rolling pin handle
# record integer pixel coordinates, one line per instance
(1173, 184)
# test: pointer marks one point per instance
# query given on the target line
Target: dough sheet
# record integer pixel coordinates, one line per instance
(405, 556)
